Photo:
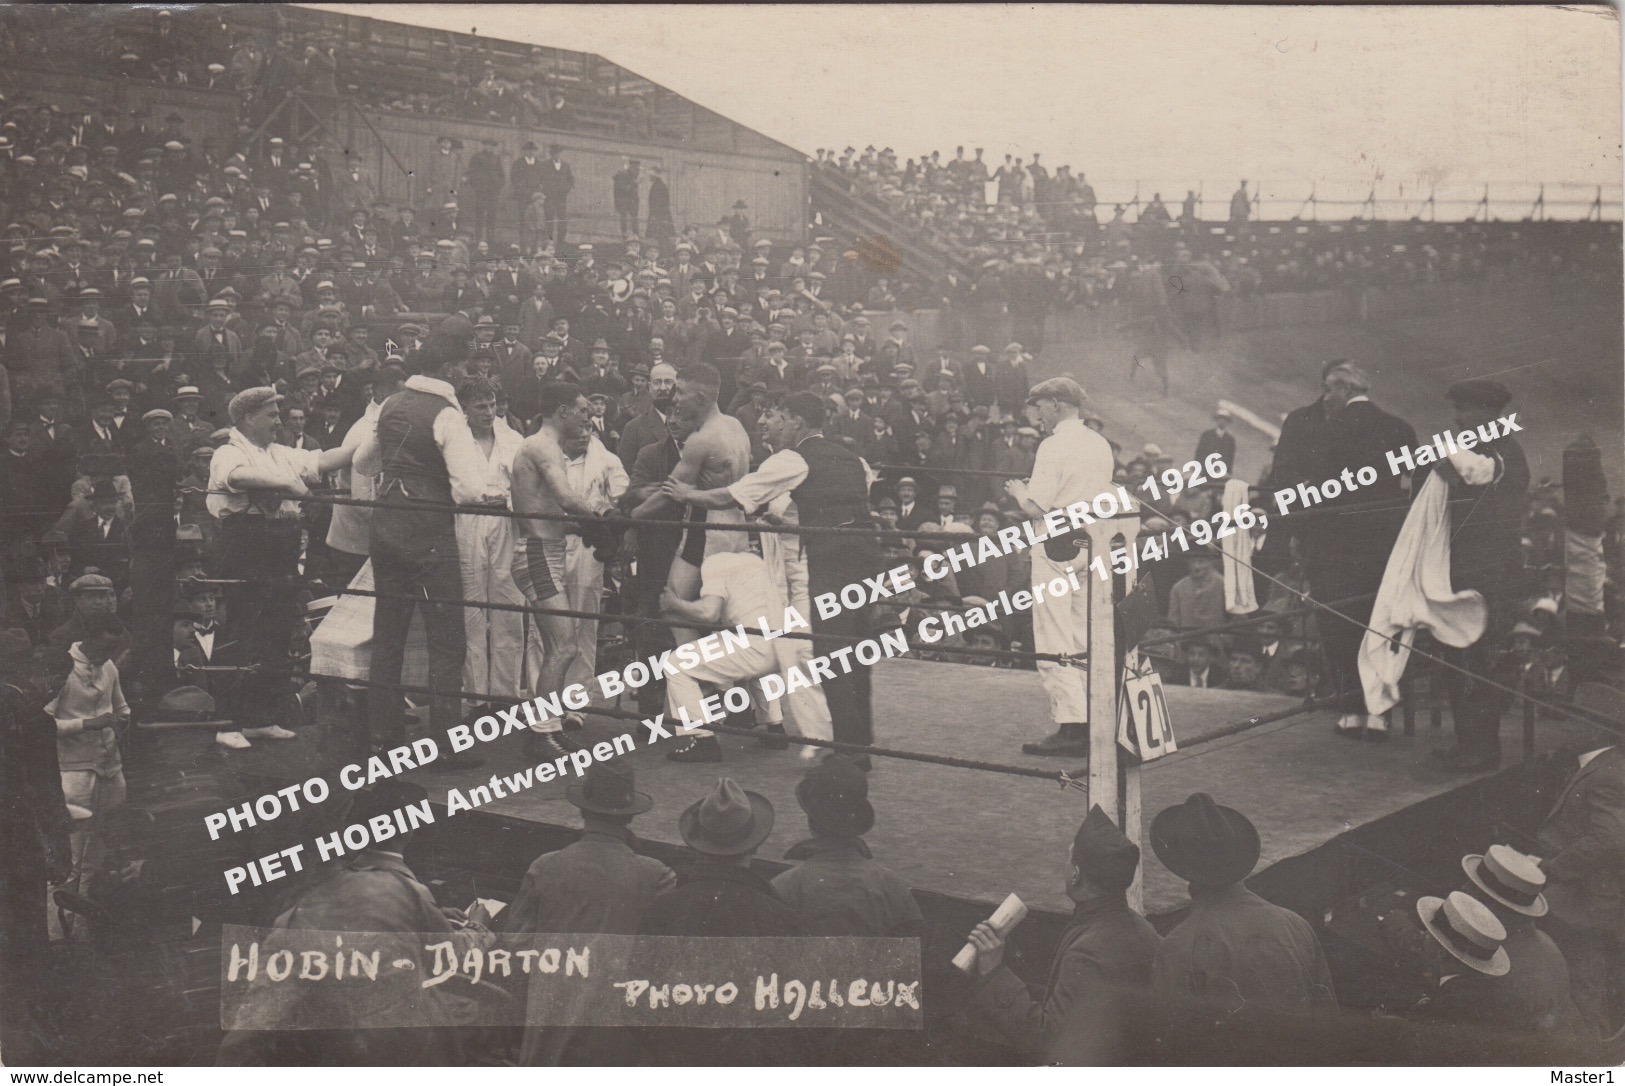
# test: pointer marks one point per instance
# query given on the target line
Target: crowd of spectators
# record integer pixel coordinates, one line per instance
(208, 47)
(1018, 218)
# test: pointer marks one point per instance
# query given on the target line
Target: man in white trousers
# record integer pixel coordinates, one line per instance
(768, 493)
(597, 475)
(1074, 464)
(735, 589)
(485, 551)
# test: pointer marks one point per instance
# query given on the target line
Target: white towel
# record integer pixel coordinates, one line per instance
(1240, 598)
(1416, 595)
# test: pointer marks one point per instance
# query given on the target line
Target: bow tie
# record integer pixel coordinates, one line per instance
(209, 629)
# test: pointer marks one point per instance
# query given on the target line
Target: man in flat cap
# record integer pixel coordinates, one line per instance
(254, 485)
(1489, 498)
(1102, 967)
(1074, 464)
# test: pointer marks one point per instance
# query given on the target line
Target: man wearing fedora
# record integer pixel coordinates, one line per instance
(1234, 948)
(1103, 961)
(1510, 884)
(838, 888)
(721, 896)
(1582, 850)
(596, 885)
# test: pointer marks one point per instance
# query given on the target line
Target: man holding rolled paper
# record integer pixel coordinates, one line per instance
(1102, 965)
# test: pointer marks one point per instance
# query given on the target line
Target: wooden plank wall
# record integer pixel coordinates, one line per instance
(704, 184)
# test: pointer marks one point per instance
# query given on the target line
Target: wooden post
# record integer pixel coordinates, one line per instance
(1114, 777)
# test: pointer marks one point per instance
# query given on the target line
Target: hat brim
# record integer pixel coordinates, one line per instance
(693, 834)
(1474, 867)
(855, 819)
(576, 793)
(1209, 868)
(1428, 910)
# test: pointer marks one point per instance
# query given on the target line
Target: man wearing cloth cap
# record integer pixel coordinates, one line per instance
(1101, 968)
(1510, 883)
(1074, 464)
(829, 486)
(1486, 526)
(254, 485)
(1233, 948)
(424, 451)
(1219, 440)
(721, 896)
(597, 885)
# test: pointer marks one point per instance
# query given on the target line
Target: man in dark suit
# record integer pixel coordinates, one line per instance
(1298, 458)
(1218, 440)
(910, 513)
(524, 177)
(1202, 667)
(1347, 538)
(102, 541)
(1101, 969)
(556, 182)
(1486, 555)
(851, 425)
(1582, 848)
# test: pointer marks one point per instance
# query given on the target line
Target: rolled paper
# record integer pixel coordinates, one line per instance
(1010, 912)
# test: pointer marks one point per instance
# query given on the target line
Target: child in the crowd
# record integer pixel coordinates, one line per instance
(89, 710)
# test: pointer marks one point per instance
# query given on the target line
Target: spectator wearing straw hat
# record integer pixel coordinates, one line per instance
(1582, 850)
(1511, 884)
(1101, 970)
(1233, 949)
(1466, 933)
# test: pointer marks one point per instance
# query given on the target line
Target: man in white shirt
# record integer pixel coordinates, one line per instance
(254, 485)
(1074, 464)
(734, 589)
(596, 474)
(485, 551)
(768, 492)
(349, 532)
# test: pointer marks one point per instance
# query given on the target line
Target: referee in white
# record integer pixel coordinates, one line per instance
(1074, 464)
